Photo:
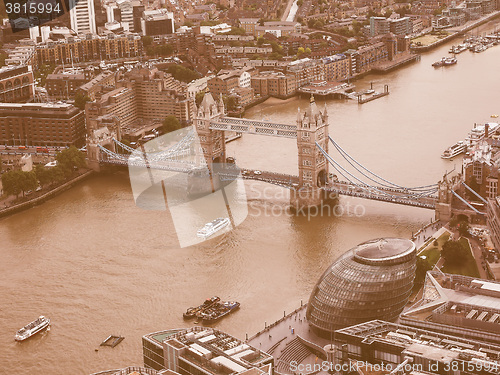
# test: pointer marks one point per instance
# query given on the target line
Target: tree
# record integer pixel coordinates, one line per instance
(454, 253)
(70, 159)
(307, 51)
(182, 73)
(237, 31)
(463, 228)
(231, 103)
(199, 97)
(300, 51)
(11, 182)
(147, 41)
(81, 100)
(43, 175)
(422, 267)
(15, 182)
(57, 174)
(171, 124)
(28, 181)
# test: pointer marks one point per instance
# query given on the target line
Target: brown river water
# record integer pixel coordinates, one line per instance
(97, 265)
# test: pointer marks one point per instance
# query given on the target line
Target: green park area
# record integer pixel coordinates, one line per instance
(432, 251)
(463, 262)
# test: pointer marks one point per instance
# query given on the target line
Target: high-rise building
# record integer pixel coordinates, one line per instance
(82, 16)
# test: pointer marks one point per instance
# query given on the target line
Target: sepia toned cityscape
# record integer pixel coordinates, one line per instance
(242, 187)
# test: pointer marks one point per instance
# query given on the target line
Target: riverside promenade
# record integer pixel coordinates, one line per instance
(291, 340)
(457, 31)
(9, 207)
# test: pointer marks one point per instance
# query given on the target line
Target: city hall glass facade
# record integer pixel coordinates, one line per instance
(371, 281)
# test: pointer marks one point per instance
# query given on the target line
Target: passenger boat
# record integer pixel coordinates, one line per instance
(438, 63)
(479, 48)
(457, 149)
(212, 227)
(192, 311)
(33, 328)
(479, 131)
(218, 311)
(450, 61)
(458, 49)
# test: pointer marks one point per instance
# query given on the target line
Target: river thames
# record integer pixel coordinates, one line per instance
(97, 265)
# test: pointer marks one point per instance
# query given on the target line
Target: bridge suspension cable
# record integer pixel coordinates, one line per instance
(363, 185)
(348, 158)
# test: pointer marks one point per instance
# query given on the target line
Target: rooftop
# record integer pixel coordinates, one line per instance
(384, 249)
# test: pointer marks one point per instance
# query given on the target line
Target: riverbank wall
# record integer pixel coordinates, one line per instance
(6, 211)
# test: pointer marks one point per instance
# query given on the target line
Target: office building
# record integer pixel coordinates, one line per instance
(422, 351)
(458, 305)
(82, 16)
(371, 281)
(16, 84)
(41, 124)
(203, 351)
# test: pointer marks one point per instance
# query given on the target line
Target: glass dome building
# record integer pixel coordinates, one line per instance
(371, 281)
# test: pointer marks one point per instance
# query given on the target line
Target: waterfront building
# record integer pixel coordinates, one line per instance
(379, 26)
(228, 80)
(480, 166)
(371, 281)
(203, 351)
(82, 16)
(458, 305)
(336, 67)
(41, 124)
(380, 342)
(401, 26)
(306, 70)
(16, 84)
(276, 84)
(493, 221)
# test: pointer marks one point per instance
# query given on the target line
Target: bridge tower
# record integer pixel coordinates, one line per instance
(95, 138)
(312, 128)
(212, 142)
(443, 206)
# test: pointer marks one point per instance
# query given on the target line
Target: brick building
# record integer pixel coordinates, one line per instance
(16, 84)
(37, 124)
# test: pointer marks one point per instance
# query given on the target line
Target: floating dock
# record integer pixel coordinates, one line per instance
(375, 95)
(112, 341)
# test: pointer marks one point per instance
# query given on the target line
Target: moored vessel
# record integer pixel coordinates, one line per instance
(450, 61)
(32, 328)
(218, 311)
(192, 311)
(457, 149)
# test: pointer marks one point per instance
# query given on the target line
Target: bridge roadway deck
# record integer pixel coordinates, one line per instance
(344, 188)
(242, 125)
(396, 196)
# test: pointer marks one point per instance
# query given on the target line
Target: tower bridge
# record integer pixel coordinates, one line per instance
(314, 183)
